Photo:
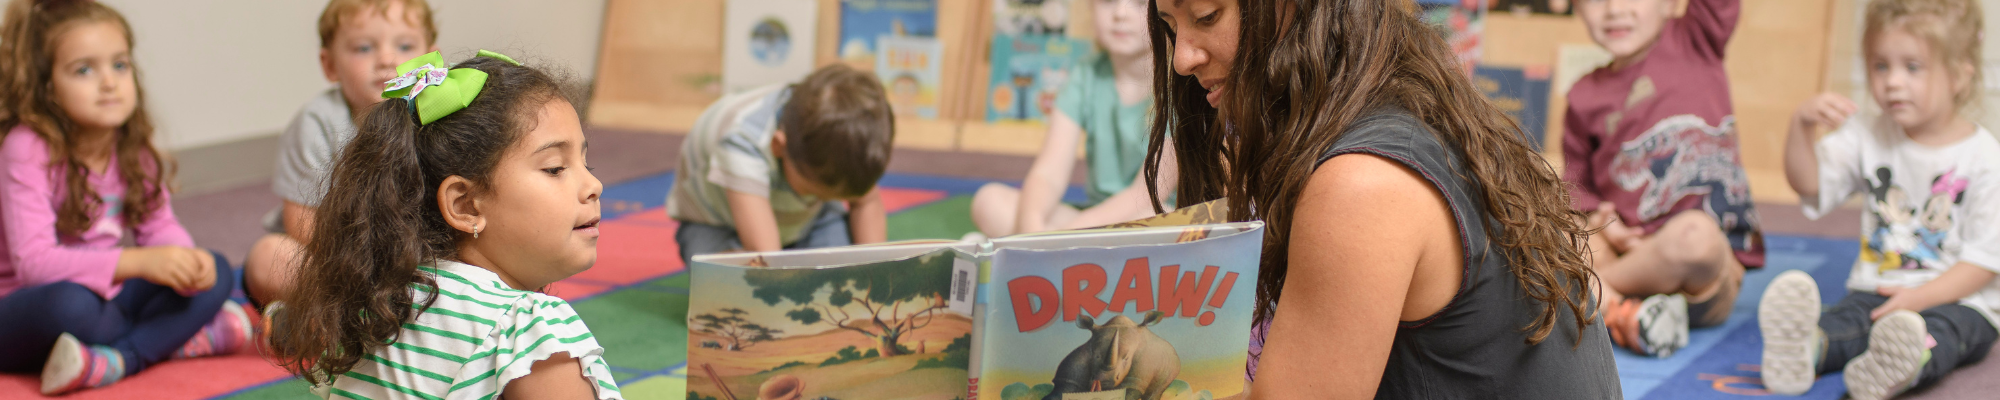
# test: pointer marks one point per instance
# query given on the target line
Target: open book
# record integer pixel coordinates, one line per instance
(1143, 310)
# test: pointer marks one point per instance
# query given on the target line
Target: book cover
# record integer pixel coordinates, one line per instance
(1031, 17)
(1523, 93)
(766, 42)
(863, 21)
(911, 68)
(1028, 70)
(865, 322)
(1461, 22)
(1139, 313)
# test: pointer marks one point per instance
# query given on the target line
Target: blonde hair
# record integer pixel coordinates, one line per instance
(1952, 28)
(338, 10)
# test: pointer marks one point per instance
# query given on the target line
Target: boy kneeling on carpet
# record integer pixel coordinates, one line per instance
(1922, 294)
(760, 170)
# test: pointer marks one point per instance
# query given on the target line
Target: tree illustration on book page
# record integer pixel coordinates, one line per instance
(729, 323)
(883, 301)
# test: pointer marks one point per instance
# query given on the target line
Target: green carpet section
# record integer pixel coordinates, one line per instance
(283, 390)
(950, 218)
(641, 329)
(656, 388)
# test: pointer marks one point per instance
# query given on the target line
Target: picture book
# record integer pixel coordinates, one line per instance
(765, 42)
(1154, 312)
(863, 22)
(1030, 17)
(1133, 313)
(910, 69)
(1028, 71)
(1523, 93)
(1461, 22)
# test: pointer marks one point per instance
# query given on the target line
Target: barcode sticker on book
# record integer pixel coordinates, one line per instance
(962, 285)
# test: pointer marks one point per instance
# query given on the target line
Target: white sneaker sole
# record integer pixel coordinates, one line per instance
(63, 365)
(1788, 314)
(1663, 324)
(1894, 357)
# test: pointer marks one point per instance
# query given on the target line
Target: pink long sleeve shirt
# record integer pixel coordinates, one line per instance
(30, 193)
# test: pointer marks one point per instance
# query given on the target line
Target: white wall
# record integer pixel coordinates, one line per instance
(223, 70)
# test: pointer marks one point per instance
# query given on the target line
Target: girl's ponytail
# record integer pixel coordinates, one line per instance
(361, 283)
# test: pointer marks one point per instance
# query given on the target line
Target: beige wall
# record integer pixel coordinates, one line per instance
(223, 70)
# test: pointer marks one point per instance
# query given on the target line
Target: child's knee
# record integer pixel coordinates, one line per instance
(1694, 238)
(992, 196)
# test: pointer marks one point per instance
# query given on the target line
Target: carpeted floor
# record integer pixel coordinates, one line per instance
(635, 297)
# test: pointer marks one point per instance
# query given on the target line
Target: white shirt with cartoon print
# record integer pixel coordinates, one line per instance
(1926, 208)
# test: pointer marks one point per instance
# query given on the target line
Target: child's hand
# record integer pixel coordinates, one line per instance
(1900, 298)
(1827, 110)
(187, 271)
(1622, 237)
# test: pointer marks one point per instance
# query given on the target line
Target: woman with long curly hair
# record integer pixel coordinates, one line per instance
(1436, 252)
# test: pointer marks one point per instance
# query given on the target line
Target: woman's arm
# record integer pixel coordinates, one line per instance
(1049, 175)
(1133, 202)
(1367, 242)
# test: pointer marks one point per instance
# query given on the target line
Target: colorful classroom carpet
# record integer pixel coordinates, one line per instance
(636, 296)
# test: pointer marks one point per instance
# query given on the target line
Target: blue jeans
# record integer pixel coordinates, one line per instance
(1963, 335)
(146, 322)
(829, 229)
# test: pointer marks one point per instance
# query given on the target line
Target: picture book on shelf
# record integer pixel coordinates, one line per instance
(910, 69)
(1028, 71)
(862, 22)
(765, 42)
(1154, 309)
(1523, 93)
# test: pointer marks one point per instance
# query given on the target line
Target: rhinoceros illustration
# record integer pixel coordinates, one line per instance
(1119, 355)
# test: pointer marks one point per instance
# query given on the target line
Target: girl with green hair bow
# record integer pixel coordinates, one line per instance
(460, 197)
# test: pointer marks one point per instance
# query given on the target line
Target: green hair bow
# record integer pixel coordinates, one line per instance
(436, 90)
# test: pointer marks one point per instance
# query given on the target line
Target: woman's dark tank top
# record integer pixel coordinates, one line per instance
(1476, 346)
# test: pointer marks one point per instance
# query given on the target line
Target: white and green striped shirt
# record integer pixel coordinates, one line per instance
(478, 335)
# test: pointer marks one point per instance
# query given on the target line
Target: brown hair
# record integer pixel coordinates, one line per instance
(28, 42)
(1952, 28)
(338, 10)
(354, 285)
(1309, 69)
(838, 129)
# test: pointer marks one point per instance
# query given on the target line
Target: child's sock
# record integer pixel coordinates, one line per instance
(1898, 347)
(230, 330)
(1788, 316)
(75, 366)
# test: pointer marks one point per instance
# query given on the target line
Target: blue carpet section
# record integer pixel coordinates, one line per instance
(965, 187)
(1721, 362)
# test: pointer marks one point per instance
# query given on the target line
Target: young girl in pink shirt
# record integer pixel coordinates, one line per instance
(78, 172)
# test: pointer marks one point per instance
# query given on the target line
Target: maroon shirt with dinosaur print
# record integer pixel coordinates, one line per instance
(1658, 137)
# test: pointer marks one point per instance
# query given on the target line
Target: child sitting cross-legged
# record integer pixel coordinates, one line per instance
(1922, 295)
(460, 196)
(79, 174)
